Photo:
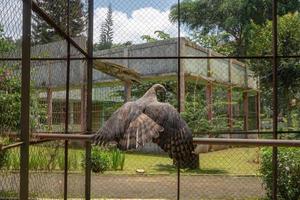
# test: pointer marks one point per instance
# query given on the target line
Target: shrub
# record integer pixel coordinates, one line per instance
(100, 160)
(4, 156)
(288, 172)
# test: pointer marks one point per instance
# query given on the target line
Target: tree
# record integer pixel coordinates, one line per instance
(106, 36)
(161, 35)
(57, 11)
(289, 69)
(6, 44)
(232, 18)
(10, 93)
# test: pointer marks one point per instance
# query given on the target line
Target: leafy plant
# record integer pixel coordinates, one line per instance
(10, 101)
(196, 112)
(4, 156)
(288, 171)
(118, 159)
(100, 160)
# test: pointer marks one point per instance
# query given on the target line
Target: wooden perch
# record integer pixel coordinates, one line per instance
(123, 73)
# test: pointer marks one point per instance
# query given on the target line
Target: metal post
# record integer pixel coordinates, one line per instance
(257, 110)
(208, 90)
(89, 98)
(275, 97)
(246, 111)
(25, 100)
(66, 152)
(229, 108)
(179, 76)
(208, 94)
(127, 91)
(50, 108)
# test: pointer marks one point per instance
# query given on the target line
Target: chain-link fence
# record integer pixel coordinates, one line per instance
(87, 58)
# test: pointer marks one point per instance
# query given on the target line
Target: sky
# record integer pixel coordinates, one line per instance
(128, 6)
(132, 18)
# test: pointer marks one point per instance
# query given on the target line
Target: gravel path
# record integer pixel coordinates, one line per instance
(141, 186)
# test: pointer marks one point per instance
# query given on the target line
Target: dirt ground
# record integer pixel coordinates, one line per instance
(50, 185)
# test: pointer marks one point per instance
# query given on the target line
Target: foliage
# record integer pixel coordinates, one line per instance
(100, 160)
(10, 101)
(288, 170)
(56, 10)
(161, 35)
(220, 43)
(151, 163)
(6, 44)
(120, 45)
(10, 94)
(118, 159)
(3, 154)
(196, 111)
(227, 17)
(106, 36)
(288, 70)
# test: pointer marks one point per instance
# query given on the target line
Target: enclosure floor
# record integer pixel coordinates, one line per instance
(50, 186)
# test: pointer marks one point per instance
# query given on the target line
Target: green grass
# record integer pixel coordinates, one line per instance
(233, 161)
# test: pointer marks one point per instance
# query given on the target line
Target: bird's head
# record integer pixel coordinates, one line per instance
(159, 88)
(160, 91)
(155, 91)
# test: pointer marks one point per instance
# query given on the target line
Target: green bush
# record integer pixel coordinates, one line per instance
(4, 156)
(100, 160)
(288, 172)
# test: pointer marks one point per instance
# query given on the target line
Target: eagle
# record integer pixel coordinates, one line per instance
(147, 120)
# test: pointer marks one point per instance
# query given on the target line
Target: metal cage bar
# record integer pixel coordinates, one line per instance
(25, 99)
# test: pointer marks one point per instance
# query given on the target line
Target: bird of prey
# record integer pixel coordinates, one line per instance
(145, 120)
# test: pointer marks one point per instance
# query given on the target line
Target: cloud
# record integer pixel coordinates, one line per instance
(144, 21)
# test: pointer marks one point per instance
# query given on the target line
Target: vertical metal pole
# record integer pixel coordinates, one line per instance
(246, 111)
(25, 100)
(257, 109)
(50, 108)
(275, 98)
(179, 74)
(209, 100)
(89, 98)
(66, 152)
(229, 108)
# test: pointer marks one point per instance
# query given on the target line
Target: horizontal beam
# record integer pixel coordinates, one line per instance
(189, 57)
(242, 132)
(152, 57)
(84, 137)
(248, 142)
(10, 146)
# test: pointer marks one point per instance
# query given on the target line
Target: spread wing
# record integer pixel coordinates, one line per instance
(115, 126)
(176, 138)
(129, 127)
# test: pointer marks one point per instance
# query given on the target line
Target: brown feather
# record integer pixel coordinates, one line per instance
(140, 131)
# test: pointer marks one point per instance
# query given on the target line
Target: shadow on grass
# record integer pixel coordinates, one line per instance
(172, 170)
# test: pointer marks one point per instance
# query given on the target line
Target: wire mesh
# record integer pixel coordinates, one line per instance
(216, 95)
(228, 173)
(144, 173)
(9, 173)
(120, 24)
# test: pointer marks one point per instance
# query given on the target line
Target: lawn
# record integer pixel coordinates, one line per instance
(233, 161)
